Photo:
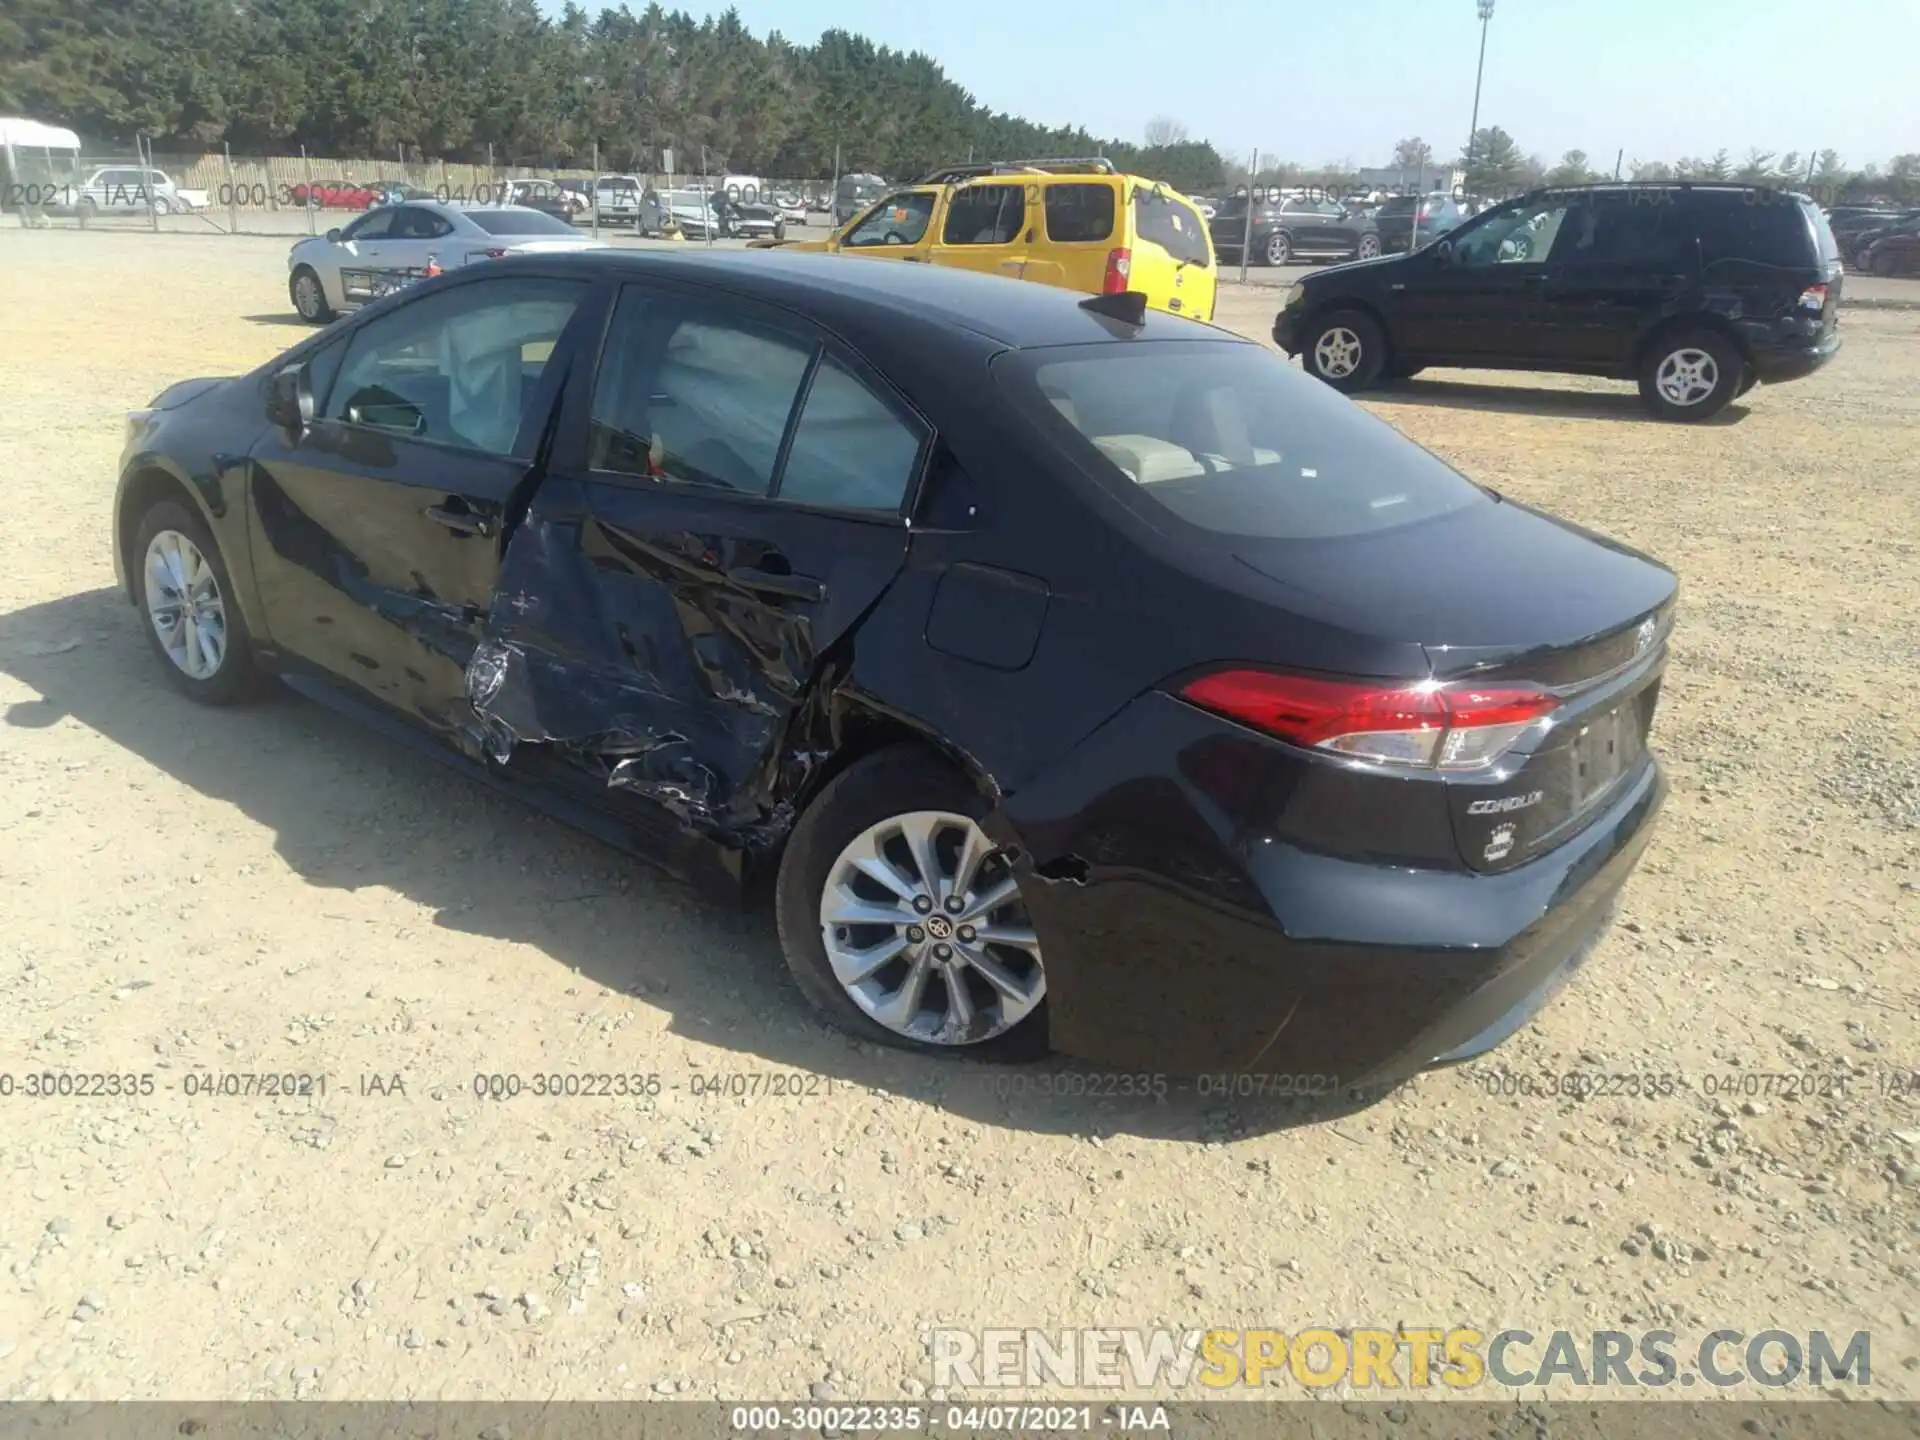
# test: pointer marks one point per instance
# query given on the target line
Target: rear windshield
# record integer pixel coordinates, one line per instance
(1172, 224)
(1822, 232)
(1228, 438)
(519, 222)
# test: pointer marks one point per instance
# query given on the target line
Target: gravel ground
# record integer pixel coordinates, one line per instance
(274, 890)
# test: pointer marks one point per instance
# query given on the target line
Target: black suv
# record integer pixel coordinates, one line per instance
(1696, 291)
(1435, 215)
(1285, 230)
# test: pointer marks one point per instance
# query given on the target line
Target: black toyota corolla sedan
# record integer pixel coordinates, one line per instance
(1075, 677)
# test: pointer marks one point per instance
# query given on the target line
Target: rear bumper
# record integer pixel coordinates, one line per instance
(1775, 360)
(1180, 940)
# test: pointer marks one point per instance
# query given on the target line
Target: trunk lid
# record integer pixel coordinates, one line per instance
(1501, 593)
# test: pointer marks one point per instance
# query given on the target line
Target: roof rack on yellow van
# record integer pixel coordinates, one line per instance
(1072, 165)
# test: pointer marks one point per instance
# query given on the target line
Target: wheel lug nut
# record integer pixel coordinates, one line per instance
(922, 904)
(916, 934)
(966, 932)
(943, 952)
(953, 905)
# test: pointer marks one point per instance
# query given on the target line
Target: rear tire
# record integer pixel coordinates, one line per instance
(179, 573)
(1690, 375)
(1369, 248)
(865, 801)
(1345, 348)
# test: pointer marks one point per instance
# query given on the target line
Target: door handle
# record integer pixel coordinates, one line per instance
(456, 515)
(768, 582)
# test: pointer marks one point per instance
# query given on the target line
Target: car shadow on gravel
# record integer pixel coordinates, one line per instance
(1530, 400)
(289, 319)
(349, 808)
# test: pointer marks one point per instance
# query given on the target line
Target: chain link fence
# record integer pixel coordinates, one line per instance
(303, 194)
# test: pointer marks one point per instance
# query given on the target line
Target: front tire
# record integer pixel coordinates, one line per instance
(1369, 248)
(1347, 349)
(309, 296)
(900, 920)
(1279, 248)
(187, 600)
(1690, 376)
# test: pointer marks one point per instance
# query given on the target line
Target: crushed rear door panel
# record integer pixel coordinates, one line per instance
(628, 637)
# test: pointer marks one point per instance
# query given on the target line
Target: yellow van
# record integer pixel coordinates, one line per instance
(1078, 224)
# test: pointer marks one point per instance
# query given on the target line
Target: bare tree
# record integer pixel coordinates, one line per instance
(1164, 130)
(1413, 153)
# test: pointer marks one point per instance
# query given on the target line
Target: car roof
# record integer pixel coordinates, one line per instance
(887, 299)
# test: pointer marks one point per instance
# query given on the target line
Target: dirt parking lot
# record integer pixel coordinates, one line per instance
(273, 890)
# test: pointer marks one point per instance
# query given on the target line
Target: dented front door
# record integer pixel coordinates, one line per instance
(725, 502)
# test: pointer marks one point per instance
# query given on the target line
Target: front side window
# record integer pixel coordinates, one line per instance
(412, 223)
(1227, 438)
(1519, 233)
(374, 225)
(985, 215)
(460, 367)
(900, 219)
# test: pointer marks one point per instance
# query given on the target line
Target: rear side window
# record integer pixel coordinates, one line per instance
(1618, 229)
(1077, 213)
(1755, 228)
(519, 222)
(1172, 224)
(1823, 233)
(985, 215)
(851, 449)
(1228, 438)
(692, 396)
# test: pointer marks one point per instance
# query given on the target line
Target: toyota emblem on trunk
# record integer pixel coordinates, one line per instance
(1643, 640)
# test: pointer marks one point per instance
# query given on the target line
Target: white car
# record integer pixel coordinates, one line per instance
(123, 190)
(391, 247)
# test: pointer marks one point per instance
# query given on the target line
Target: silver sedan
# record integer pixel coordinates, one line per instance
(395, 245)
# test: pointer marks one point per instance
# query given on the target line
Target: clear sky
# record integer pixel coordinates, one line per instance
(1342, 80)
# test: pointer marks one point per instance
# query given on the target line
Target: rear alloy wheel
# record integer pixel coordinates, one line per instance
(185, 596)
(901, 919)
(309, 297)
(1279, 248)
(1690, 376)
(1369, 247)
(1345, 349)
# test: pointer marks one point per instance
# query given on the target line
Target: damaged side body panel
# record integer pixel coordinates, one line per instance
(668, 649)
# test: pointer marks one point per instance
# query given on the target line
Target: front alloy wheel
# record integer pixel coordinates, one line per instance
(1279, 248)
(1369, 247)
(185, 606)
(924, 929)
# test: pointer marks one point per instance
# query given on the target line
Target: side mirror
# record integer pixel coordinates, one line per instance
(334, 235)
(290, 399)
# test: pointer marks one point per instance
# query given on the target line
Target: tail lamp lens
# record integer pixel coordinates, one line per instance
(1119, 267)
(1427, 726)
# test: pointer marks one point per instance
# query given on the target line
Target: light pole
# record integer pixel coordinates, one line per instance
(1473, 131)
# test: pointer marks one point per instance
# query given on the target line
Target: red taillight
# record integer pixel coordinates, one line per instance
(1814, 298)
(496, 254)
(1119, 267)
(1429, 725)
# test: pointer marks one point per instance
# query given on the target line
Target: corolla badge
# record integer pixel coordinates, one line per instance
(1643, 638)
(1500, 845)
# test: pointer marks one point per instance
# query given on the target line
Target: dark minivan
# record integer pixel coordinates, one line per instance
(1696, 291)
